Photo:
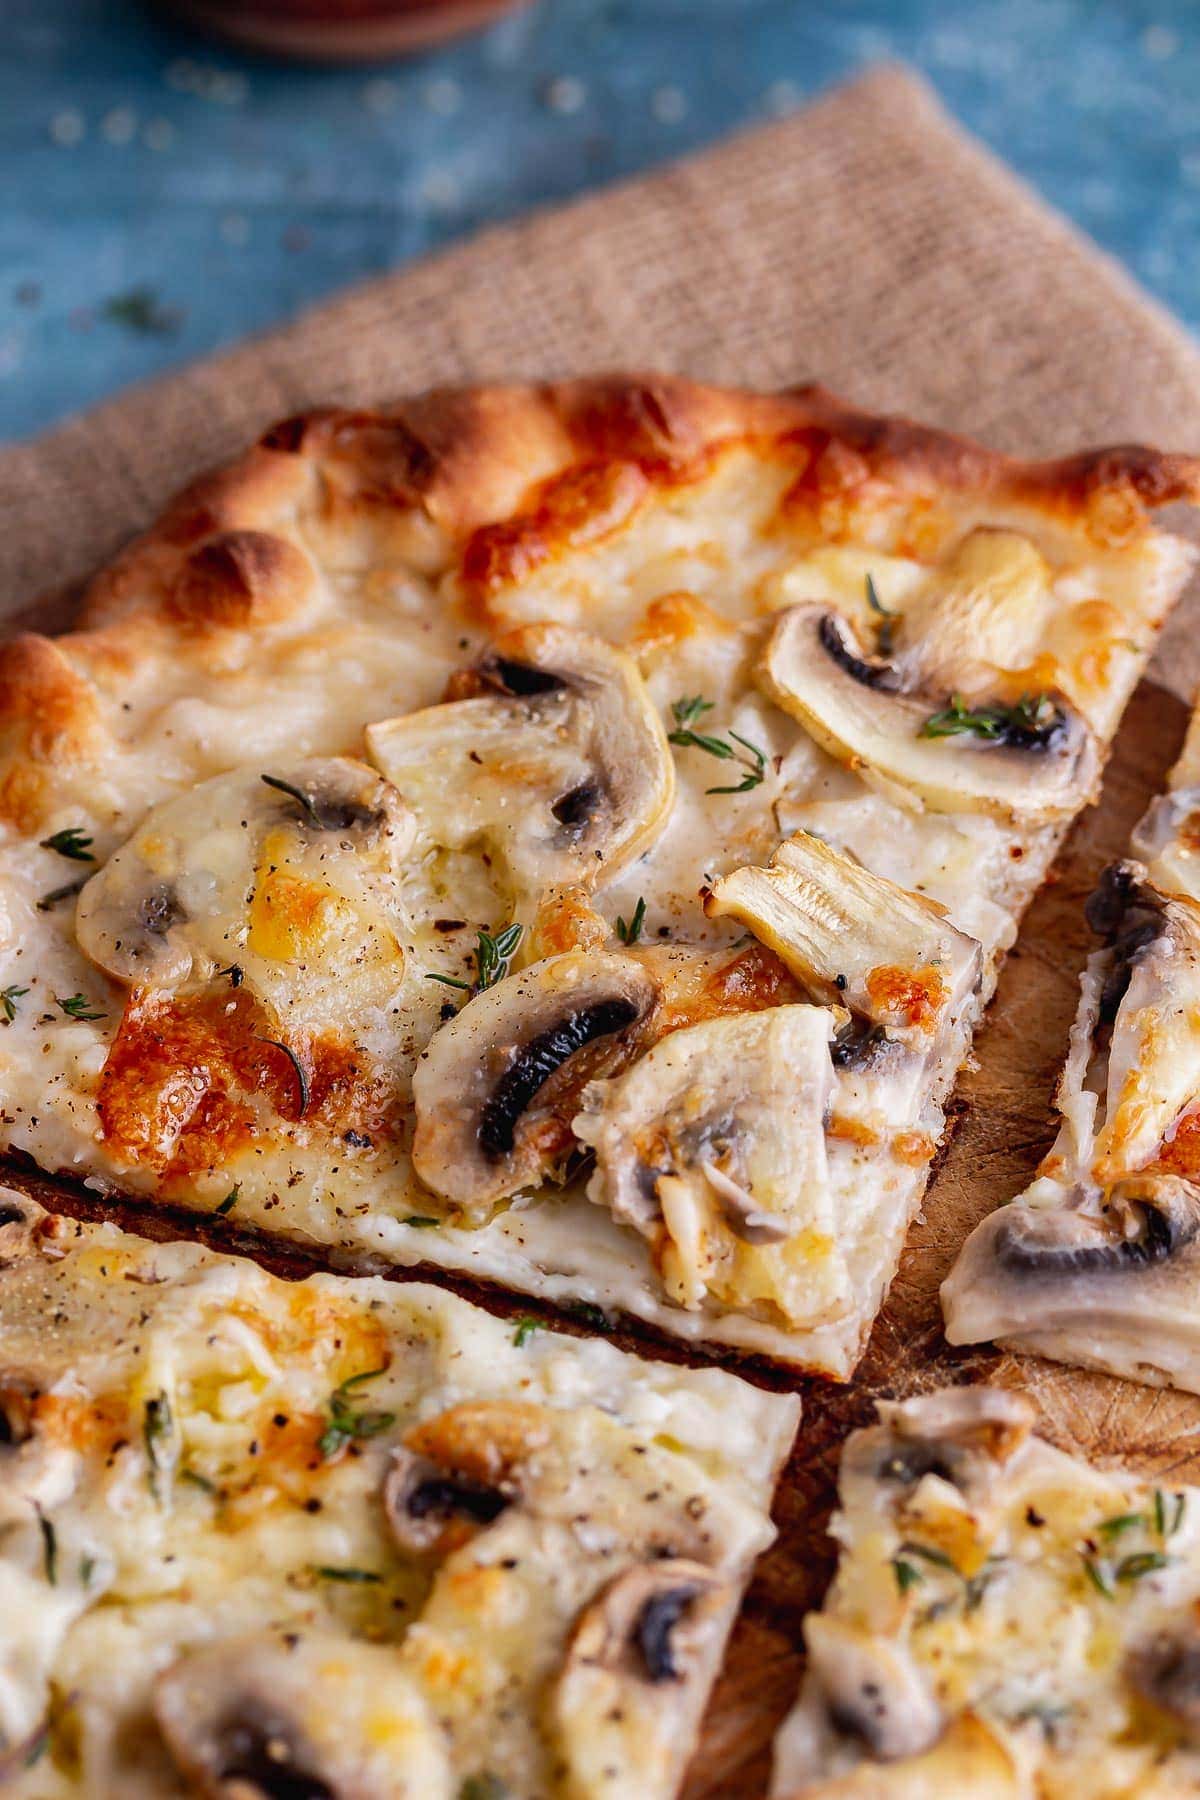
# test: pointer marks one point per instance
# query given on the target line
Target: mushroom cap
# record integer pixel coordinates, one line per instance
(1109, 1283)
(863, 712)
(494, 1090)
(965, 1436)
(873, 1691)
(636, 1672)
(712, 1147)
(459, 1471)
(299, 1716)
(560, 763)
(301, 839)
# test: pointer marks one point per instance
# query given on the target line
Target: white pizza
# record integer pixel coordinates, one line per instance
(565, 835)
(347, 1539)
(1006, 1623)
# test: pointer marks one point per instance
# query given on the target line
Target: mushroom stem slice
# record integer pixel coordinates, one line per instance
(712, 1147)
(637, 1666)
(496, 1088)
(558, 760)
(855, 939)
(1033, 758)
(299, 1717)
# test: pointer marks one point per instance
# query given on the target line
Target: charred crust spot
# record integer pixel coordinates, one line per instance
(653, 1627)
(536, 1061)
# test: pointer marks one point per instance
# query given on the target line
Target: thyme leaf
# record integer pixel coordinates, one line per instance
(72, 842)
(629, 932)
(328, 1573)
(8, 1000)
(345, 1425)
(230, 1201)
(1143, 1562)
(526, 1326)
(78, 1006)
(422, 1221)
(1123, 1522)
(907, 1574)
(493, 955)
(158, 1430)
(49, 1547)
(1098, 1577)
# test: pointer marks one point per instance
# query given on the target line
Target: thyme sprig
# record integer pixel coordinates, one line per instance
(493, 960)
(686, 713)
(72, 842)
(1031, 713)
(630, 931)
(78, 1006)
(345, 1424)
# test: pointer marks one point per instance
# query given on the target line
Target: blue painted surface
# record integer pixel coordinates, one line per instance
(225, 192)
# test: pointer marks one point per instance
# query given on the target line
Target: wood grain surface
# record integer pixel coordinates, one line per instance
(1000, 1124)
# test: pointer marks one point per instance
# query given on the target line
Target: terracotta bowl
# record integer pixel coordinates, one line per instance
(355, 31)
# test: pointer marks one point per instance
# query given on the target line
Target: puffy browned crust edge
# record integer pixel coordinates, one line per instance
(505, 477)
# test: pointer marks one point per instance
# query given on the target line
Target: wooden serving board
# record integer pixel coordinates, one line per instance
(1000, 1125)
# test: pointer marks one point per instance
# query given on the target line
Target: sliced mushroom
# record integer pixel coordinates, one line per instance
(1165, 1669)
(20, 1219)
(295, 1716)
(558, 763)
(1107, 1282)
(297, 838)
(1030, 754)
(712, 1147)
(461, 1469)
(495, 1090)
(854, 939)
(636, 1674)
(964, 1436)
(873, 1691)
(969, 1758)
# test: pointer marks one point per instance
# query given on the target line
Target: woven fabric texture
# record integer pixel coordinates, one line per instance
(865, 241)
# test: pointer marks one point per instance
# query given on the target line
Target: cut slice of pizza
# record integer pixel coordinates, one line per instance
(564, 835)
(1006, 1621)
(348, 1537)
(1098, 1261)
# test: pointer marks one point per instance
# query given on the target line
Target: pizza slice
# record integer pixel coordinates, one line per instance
(565, 835)
(1098, 1261)
(346, 1537)
(1005, 1621)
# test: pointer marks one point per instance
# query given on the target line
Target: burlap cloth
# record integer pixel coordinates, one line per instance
(865, 241)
